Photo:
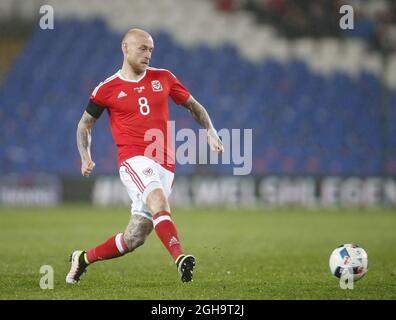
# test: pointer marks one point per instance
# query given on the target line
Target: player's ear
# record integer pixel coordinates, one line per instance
(124, 47)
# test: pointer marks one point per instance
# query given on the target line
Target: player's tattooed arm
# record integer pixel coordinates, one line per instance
(84, 143)
(200, 115)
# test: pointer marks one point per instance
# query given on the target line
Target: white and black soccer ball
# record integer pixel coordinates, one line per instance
(349, 258)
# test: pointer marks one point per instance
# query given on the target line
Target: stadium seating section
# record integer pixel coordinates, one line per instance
(303, 121)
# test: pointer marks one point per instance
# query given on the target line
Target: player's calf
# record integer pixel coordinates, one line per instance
(167, 232)
(137, 231)
(163, 225)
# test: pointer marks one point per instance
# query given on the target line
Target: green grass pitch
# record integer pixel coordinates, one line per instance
(241, 254)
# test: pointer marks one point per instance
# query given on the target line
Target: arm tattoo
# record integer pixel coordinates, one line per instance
(84, 135)
(199, 113)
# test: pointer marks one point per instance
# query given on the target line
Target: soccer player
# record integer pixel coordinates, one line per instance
(136, 99)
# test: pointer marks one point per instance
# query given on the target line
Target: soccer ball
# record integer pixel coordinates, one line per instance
(349, 258)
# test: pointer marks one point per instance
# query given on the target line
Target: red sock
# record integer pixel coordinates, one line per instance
(166, 231)
(112, 248)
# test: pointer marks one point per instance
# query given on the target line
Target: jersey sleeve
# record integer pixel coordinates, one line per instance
(178, 92)
(98, 96)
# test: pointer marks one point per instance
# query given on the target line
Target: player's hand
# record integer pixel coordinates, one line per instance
(86, 167)
(214, 141)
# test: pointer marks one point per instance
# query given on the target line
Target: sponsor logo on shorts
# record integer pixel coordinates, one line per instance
(148, 171)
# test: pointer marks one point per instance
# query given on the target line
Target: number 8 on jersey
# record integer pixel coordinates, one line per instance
(144, 107)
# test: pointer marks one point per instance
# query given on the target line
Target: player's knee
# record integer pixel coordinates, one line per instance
(157, 201)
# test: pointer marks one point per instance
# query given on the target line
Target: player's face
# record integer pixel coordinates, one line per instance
(139, 53)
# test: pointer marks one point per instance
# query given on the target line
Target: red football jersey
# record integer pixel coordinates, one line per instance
(137, 106)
